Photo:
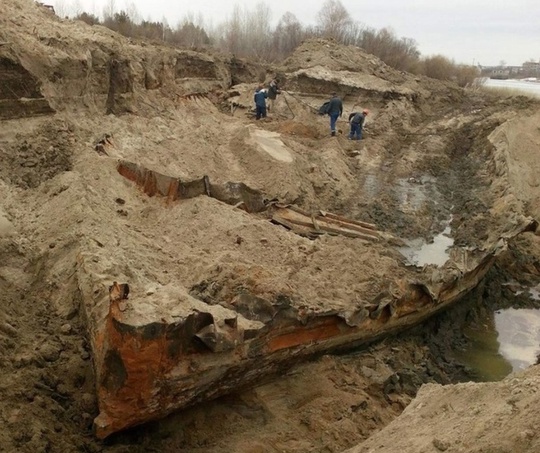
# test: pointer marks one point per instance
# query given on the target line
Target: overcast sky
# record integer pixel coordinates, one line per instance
(468, 31)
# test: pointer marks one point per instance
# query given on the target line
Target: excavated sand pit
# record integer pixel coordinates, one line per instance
(248, 247)
(167, 349)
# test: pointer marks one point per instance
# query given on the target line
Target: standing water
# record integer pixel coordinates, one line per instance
(482, 354)
(519, 336)
(421, 253)
(513, 84)
(503, 342)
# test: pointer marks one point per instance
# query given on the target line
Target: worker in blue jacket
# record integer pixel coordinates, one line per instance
(260, 102)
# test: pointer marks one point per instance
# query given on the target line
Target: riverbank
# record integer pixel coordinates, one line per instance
(515, 86)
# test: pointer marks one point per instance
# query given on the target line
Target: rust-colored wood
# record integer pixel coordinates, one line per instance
(305, 335)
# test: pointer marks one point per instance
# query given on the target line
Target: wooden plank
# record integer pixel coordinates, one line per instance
(320, 221)
(350, 226)
(366, 225)
(293, 227)
(328, 229)
(369, 226)
(298, 210)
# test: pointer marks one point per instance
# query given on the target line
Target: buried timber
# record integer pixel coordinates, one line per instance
(161, 347)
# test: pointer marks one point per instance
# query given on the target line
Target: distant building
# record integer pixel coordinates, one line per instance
(500, 72)
(531, 68)
(531, 65)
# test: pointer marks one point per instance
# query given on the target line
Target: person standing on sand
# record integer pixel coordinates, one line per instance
(334, 110)
(260, 102)
(356, 120)
(273, 91)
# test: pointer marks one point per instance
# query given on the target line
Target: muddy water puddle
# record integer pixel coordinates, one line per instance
(482, 354)
(411, 194)
(519, 336)
(421, 253)
(506, 341)
(414, 195)
(535, 292)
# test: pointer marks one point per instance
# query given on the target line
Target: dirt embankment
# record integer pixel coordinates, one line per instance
(466, 417)
(70, 224)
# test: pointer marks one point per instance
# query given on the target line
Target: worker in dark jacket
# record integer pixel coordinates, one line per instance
(356, 120)
(273, 91)
(260, 102)
(334, 110)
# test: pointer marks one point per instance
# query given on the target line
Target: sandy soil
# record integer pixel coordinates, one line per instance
(431, 154)
(466, 417)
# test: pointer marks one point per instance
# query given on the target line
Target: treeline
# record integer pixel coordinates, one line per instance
(249, 33)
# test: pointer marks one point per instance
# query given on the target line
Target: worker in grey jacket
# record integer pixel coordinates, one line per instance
(273, 91)
(334, 110)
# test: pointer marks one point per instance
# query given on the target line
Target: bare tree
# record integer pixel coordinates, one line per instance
(466, 75)
(334, 20)
(76, 8)
(61, 8)
(166, 33)
(438, 67)
(88, 18)
(191, 32)
(109, 10)
(400, 53)
(287, 35)
(232, 30)
(352, 33)
(93, 11)
(188, 34)
(133, 12)
(258, 31)
(247, 33)
(196, 20)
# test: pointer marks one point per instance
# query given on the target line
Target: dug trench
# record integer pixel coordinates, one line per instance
(329, 404)
(257, 326)
(340, 400)
(407, 373)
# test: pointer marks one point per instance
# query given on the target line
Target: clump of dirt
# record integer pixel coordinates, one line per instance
(298, 129)
(27, 162)
(47, 384)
